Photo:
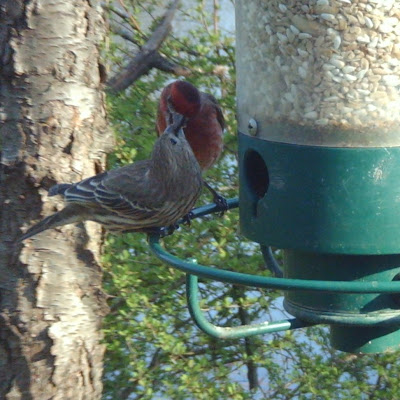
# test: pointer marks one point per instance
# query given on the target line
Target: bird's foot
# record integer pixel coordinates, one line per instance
(221, 203)
(168, 230)
(187, 219)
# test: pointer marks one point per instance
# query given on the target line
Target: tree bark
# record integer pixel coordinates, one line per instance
(53, 129)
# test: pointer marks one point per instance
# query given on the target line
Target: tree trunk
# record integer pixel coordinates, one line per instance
(53, 129)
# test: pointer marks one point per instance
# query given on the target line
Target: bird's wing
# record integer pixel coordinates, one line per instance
(121, 190)
(129, 192)
(214, 102)
(84, 191)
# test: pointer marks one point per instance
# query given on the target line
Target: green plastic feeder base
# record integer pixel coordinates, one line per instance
(364, 307)
(336, 212)
(320, 199)
(364, 340)
(360, 323)
(342, 308)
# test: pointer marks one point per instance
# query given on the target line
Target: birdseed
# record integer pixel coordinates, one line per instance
(327, 63)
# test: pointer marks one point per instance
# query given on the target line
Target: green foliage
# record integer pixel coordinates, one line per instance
(154, 351)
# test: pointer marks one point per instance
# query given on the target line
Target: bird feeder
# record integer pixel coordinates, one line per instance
(318, 97)
(318, 106)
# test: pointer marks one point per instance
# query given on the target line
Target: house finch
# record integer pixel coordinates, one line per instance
(140, 197)
(204, 127)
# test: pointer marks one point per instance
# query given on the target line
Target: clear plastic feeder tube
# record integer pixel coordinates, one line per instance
(320, 72)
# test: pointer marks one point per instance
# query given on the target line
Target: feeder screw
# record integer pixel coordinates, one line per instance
(252, 127)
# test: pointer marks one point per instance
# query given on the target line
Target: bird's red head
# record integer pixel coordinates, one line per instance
(185, 98)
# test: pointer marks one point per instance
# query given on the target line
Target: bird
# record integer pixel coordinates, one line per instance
(204, 127)
(140, 197)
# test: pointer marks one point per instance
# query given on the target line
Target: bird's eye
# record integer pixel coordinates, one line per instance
(173, 140)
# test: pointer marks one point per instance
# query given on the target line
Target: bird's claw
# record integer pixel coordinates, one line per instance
(220, 201)
(187, 219)
(168, 230)
(222, 204)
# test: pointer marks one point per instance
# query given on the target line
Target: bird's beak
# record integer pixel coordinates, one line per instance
(177, 124)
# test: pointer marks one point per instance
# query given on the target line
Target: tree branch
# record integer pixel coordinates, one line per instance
(123, 32)
(162, 63)
(252, 375)
(148, 56)
(123, 15)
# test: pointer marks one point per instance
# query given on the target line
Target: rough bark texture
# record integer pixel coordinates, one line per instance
(53, 129)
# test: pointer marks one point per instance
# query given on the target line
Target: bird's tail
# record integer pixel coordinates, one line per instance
(68, 215)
